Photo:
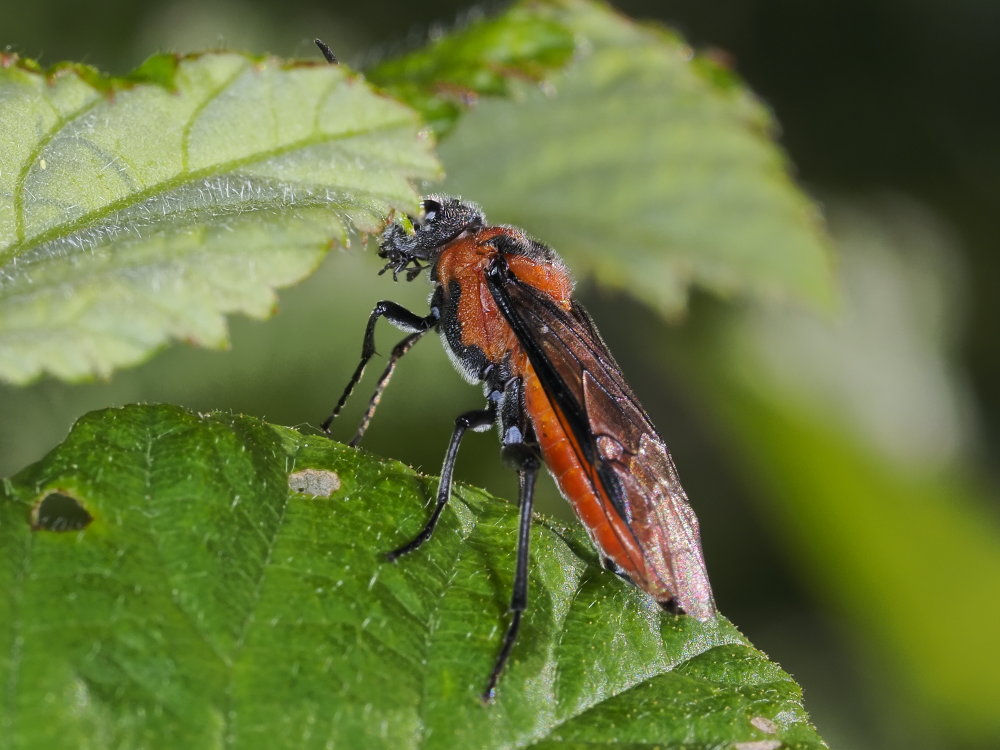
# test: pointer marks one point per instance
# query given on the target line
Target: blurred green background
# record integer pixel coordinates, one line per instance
(842, 466)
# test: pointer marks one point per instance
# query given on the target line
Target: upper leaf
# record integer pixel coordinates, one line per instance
(138, 210)
(651, 166)
(196, 587)
(481, 59)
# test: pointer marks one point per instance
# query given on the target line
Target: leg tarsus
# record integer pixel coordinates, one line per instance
(470, 420)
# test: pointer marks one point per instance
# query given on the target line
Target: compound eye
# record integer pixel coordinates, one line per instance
(430, 210)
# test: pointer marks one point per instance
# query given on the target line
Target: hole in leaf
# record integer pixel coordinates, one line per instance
(315, 482)
(58, 511)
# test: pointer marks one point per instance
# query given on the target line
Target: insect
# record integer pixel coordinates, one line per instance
(502, 304)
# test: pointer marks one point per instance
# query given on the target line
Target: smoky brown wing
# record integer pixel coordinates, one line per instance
(615, 436)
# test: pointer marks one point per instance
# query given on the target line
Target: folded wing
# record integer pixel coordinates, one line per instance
(615, 435)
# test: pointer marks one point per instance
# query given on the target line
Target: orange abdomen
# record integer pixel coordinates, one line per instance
(580, 486)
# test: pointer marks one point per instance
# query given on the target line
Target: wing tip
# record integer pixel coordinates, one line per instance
(700, 608)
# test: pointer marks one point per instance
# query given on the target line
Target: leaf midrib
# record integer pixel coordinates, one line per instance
(91, 218)
(22, 243)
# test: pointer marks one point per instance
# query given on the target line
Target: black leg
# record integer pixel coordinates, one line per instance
(472, 420)
(527, 474)
(400, 317)
(397, 353)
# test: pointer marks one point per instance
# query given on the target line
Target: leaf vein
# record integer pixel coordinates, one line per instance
(89, 219)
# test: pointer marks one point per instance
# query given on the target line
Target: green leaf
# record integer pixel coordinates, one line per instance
(207, 603)
(483, 58)
(651, 167)
(135, 211)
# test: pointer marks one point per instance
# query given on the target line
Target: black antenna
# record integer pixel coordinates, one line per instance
(327, 52)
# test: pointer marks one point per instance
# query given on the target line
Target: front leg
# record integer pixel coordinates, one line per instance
(403, 319)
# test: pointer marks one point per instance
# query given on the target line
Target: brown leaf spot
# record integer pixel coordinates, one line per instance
(315, 482)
